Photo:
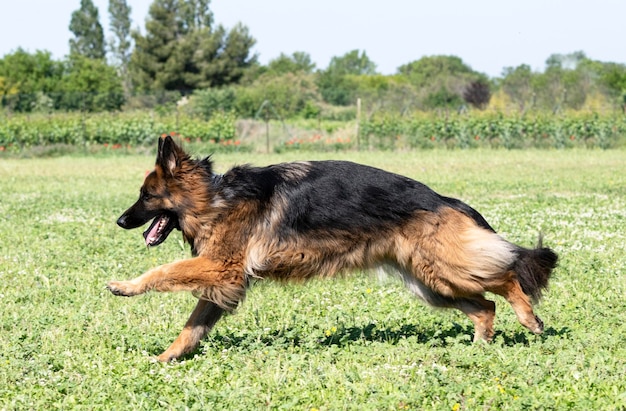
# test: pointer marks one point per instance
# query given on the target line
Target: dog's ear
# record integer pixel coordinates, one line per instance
(169, 155)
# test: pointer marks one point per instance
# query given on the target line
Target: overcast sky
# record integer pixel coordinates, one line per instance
(487, 34)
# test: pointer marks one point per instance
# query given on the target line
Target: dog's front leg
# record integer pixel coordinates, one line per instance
(201, 321)
(223, 284)
(220, 287)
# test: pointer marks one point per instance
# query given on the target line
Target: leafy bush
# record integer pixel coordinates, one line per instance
(207, 102)
(286, 96)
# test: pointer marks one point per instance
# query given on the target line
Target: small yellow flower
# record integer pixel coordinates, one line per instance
(368, 291)
(330, 332)
(456, 407)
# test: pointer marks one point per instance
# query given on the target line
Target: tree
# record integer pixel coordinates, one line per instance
(422, 72)
(380, 93)
(336, 89)
(443, 98)
(182, 51)
(288, 94)
(90, 85)
(477, 94)
(563, 82)
(517, 83)
(440, 80)
(120, 43)
(299, 61)
(612, 78)
(224, 55)
(27, 76)
(565, 61)
(352, 63)
(88, 38)
(195, 14)
(337, 84)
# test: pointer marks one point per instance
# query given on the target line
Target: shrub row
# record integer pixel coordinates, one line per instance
(496, 130)
(384, 132)
(124, 129)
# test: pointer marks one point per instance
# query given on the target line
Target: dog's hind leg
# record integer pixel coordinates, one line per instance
(512, 291)
(481, 311)
(201, 321)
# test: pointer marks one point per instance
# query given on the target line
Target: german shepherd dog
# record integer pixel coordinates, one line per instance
(295, 221)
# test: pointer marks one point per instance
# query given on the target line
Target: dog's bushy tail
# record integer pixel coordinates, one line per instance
(534, 267)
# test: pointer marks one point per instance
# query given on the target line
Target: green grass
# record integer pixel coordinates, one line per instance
(354, 343)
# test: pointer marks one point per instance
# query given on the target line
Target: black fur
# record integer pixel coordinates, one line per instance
(534, 267)
(340, 194)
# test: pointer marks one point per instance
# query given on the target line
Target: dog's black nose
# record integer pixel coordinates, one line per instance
(122, 221)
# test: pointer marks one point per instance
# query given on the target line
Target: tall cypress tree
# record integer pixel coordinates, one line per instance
(120, 43)
(88, 38)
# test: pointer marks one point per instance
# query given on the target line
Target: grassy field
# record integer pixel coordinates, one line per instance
(357, 343)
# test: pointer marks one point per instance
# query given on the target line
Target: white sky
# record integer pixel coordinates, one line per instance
(487, 34)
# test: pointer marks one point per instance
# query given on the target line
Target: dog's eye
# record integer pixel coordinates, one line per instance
(146, 196)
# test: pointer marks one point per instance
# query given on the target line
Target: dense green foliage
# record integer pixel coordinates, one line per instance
(183, 50)
(359, 343)
(441, 79)
(36, 82)
(90, 85)
(282, 96)
(26, 78)
(335, 83)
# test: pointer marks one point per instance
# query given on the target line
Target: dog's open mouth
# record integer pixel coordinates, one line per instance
(160, 228)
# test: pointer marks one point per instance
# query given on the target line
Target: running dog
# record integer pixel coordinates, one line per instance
(300, 220)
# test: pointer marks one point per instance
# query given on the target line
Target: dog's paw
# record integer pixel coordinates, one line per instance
(167, 357)
(122, 288)
(539, 327)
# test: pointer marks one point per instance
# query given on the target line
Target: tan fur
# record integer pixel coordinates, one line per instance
(296, 170)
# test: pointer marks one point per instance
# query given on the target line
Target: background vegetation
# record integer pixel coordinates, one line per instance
(359, 343)
(183, 67)
(131, 131)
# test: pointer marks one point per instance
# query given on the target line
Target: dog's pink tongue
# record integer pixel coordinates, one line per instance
(153, 234)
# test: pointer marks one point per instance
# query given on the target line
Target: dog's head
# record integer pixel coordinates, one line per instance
(164, 195)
